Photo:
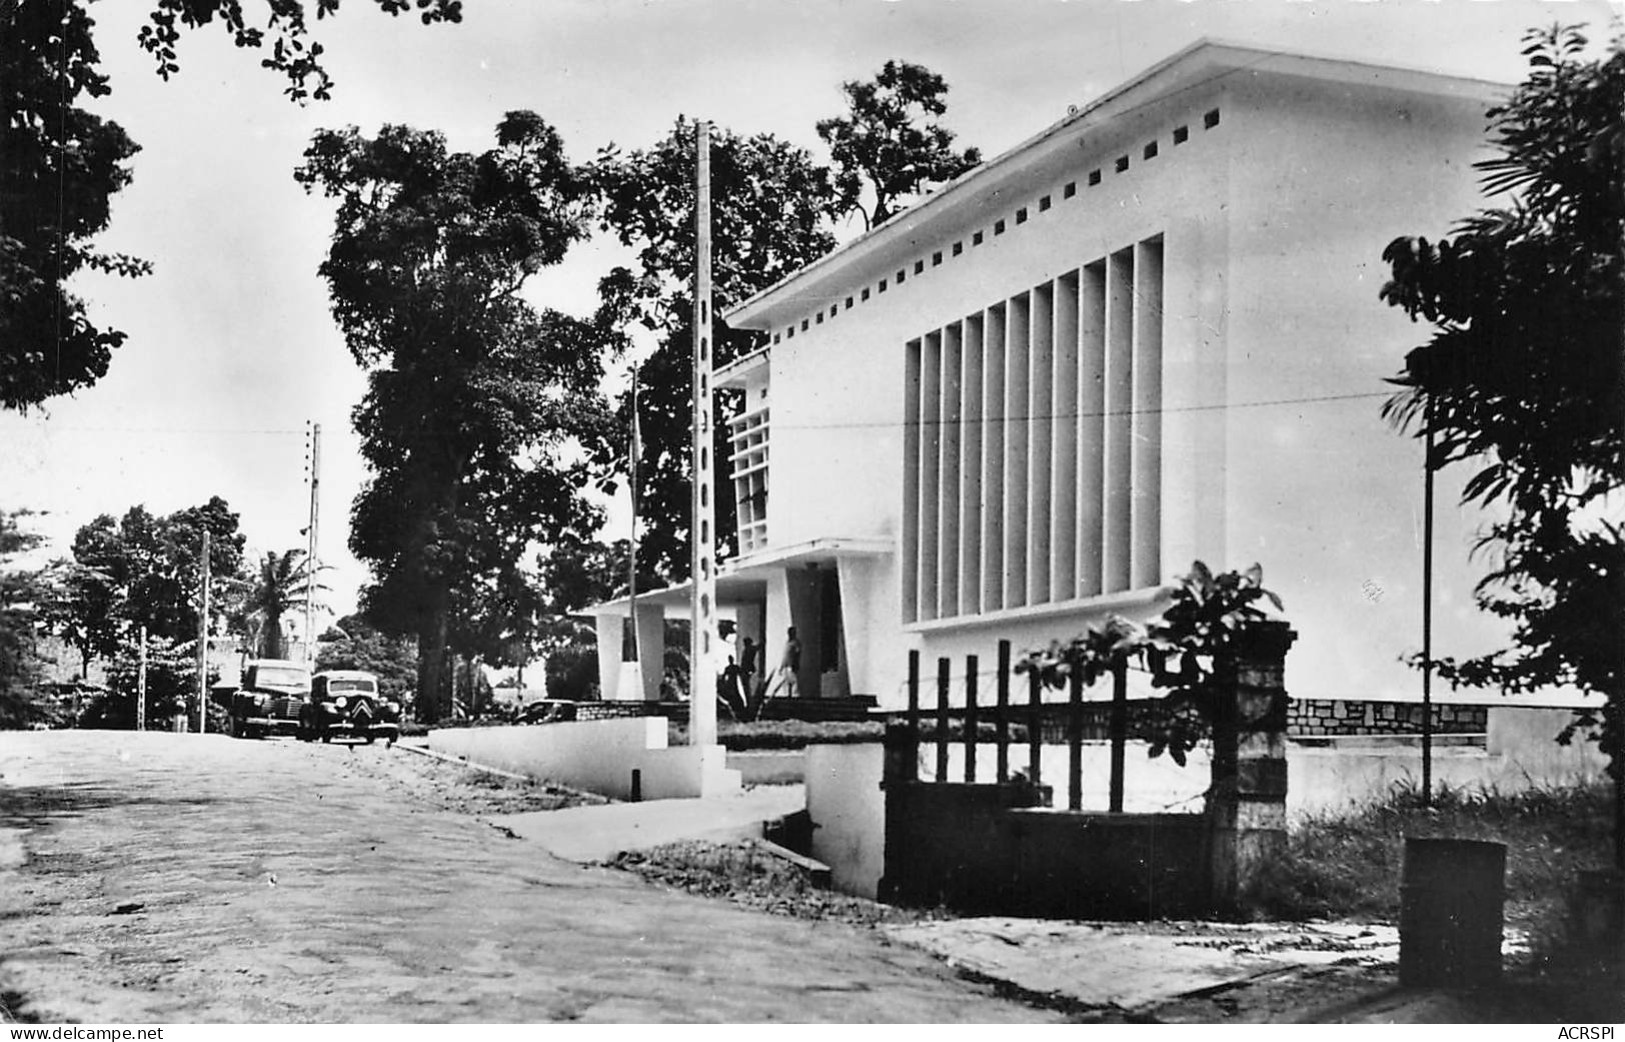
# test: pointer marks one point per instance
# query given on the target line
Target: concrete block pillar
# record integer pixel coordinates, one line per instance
(1247, 801)
(651, 622)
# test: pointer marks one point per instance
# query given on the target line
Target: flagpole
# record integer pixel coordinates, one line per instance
(634, 451)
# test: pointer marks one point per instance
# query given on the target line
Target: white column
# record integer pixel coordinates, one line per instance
(1064, 434)
(948, 498)
(930, 471)
(1146, 480)
(970, 468)
(1091, 428)
(993, 372)
(911, 482)
(1119, 403)
(1040, 431)
(1017, 383)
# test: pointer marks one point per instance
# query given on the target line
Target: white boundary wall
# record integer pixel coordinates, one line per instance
(847, 806)
(597, 755)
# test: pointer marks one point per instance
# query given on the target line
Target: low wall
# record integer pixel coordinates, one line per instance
(846, 804)
(1520, 752)
(848, 814)
(769, 766)
(598, 756)
(1315, 717)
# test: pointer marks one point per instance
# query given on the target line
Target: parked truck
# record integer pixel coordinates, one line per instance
(270, 699)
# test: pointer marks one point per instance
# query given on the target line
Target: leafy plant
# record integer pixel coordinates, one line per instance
(1523, 379)
(1188, 650)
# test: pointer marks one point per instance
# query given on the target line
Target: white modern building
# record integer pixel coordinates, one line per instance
(1147, 335)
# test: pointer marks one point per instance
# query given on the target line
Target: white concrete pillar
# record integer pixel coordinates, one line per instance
(993, 402)
(1116, 538)
(1040, 439)
(1091, 428)
(609, 630)
(1063, 583)
(857, 577)
(1017, 386)
(930, 472)
(948, 416)
(1146, 463)
(970, 469)
(651, 622)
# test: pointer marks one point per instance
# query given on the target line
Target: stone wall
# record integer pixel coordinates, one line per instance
(1330, 718)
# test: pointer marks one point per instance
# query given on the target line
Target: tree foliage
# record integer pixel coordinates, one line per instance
(1523, 379)
(293, 52)
(280, 584)
(141, 570)
(21, 592)
(769, 208)
(171, 686)
(353, 643)
(59, 167)
(887, 146)
(1189, 650)
(478, 405)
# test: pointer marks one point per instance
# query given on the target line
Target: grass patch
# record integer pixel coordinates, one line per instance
(1350, 867)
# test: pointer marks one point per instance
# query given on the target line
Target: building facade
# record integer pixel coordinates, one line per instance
(1148, 335)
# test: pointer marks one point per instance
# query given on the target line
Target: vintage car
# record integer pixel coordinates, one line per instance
(270, 698)
(345, 703)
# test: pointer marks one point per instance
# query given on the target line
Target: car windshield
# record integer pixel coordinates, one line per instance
(271, 676)
(364, 686)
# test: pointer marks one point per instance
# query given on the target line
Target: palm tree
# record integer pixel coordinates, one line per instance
(282, 584)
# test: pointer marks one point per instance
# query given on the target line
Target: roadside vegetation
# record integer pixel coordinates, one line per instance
(1350, 866)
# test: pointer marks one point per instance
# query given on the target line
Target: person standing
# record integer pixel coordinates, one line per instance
(789, 665)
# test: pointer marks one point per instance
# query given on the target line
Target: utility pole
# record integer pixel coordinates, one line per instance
(202, 643)
(702, 672)
(310, 552)
(1427, 608)
(141, 684)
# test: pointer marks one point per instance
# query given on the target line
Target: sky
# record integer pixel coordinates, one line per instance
(232, 351)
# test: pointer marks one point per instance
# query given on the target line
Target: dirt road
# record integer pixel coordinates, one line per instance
(183, 878)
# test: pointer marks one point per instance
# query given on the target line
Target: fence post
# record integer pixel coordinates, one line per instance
(970, 718)
(1119, 733)
(914, 695)
(1074, 742)
(1247, 798)
(944, 669)
(1035, 726)
(1002, 720)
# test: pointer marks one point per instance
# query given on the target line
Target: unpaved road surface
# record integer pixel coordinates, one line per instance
(184, 878)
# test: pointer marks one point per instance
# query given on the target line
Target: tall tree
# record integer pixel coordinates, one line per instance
(281, 583)
(142, 570)
(769, 208)
(478, 405)
(60, 165)
(1523, 379)
(888, 146)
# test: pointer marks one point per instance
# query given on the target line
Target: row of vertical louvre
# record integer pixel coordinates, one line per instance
(1033, 444)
